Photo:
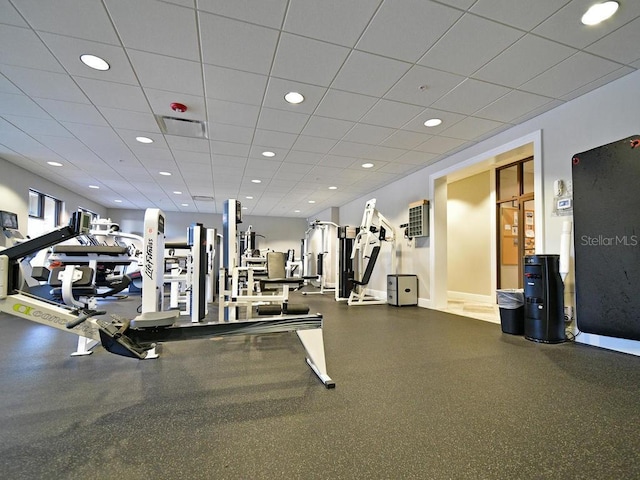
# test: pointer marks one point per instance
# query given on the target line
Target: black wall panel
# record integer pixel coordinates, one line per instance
(606, 193)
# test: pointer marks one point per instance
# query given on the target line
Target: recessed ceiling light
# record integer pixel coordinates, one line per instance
(244, 208)
(432, 122)
(249, 197)
(144, 140)
(184, 204)
(95, 187)
(333, 188)
(312, 201)
(94, 62)
(296, 211)
(268, 154)
(599, 12)
(118, 201)
(367, 165)
(177, 192)
(256, 181)
(294, 97)
(166, 174)
(55, 164)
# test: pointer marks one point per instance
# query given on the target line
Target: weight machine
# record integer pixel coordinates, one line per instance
(374, 229)
(137, 338)
(323, 258)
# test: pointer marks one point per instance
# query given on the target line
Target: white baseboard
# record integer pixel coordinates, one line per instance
(471, 297)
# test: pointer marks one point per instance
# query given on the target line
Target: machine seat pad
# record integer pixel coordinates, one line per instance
(155, 319)
(90, 249)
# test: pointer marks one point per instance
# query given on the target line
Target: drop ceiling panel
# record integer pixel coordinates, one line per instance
(156, 27)
(448, 119)
(379, 152)
(513, 105)
(407, 33)
(187, 144)
(333, 21)
(7, 87)
(167, 73)
(470, 96)
(344, 105)
(232, 113)
(76, 18)
(72, 112)
(38, 83)
(233, 44)
(565, 26)
(575, 72)
(423, 86)
(621, 45)
(68, 50)
(233, 85)
(367, 106)
(470, 43)
(278, 88)
(369, 74)
(438, 145)
(11, 104)
(282, 120)
(269, 13)
(351, 149)
(182, 156)
(230, 133)
(23, 48)
(303, 157)
(129, 120)
(371, 134)
(270, 138)
(523, 14)
(227, 148)
(327, 127)
(306, 60)
(391, 114)
(71, 149)
(10, 15)
(114, 95)
(471, 128)
(405, 140)
(597, 83)
(160, 102)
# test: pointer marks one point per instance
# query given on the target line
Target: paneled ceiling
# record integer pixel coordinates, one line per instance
(371, 71)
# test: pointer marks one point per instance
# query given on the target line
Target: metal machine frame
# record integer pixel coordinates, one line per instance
(374, 229)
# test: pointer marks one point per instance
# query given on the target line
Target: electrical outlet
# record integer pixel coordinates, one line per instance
(568, 313)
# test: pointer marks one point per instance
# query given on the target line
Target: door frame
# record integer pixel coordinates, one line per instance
(438, 212)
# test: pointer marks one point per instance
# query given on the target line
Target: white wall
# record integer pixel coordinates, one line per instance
(15, 183)
(274, 233)
(469, 233)
(601, 116)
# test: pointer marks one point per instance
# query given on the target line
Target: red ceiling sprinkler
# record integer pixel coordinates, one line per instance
(178, 107)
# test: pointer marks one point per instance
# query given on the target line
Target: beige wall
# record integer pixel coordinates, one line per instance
(469, 235)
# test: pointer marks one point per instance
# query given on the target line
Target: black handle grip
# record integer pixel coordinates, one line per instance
(85, 316)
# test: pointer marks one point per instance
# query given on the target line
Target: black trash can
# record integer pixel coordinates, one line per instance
(511, 304)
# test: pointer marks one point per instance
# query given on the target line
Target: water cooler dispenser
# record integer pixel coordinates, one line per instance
(544, 299)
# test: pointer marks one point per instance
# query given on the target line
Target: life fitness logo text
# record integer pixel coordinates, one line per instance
(148, 259)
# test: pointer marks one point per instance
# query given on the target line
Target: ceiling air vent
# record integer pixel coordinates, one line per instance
(182, 127)
(202, 198)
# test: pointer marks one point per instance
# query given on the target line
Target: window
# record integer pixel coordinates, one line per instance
(45, 213)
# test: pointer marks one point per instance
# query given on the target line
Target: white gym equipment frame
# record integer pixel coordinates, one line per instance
(137, 338)
(323, 227)
(374, 229)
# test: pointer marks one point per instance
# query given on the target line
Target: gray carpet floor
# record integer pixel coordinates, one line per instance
(419, 394)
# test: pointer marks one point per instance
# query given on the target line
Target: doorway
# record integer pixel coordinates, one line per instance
(515, 210)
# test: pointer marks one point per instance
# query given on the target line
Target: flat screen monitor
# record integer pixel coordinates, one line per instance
(9, 220)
